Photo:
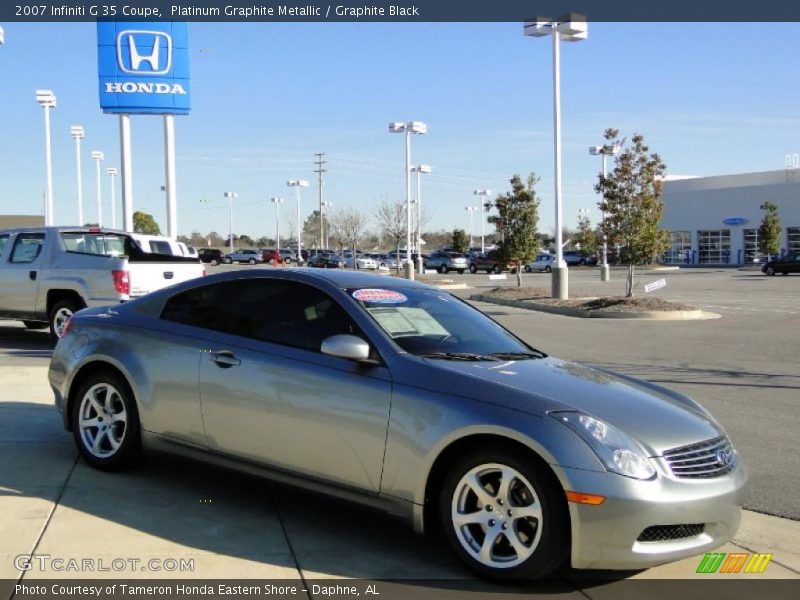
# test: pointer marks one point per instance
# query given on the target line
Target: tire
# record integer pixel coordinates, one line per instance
(784, 272)
(35, 324)
(214, 262)
(288, 260)
(539, 522)
(460, 271)
(473, 269)
(252, 261)
(443, 269)
(60, 313)
(496, 269)
(548, 269)
(770, 271)
(104, 398)
(227, 261)
(527, 268)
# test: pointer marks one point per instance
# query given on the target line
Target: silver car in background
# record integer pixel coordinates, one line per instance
(446, 260)
(403, 397)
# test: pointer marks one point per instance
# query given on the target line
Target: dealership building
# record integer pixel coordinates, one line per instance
(715, 220)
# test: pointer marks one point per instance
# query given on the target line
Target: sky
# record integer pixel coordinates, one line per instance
(711, 99)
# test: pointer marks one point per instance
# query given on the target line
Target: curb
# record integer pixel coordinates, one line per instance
(673, 315)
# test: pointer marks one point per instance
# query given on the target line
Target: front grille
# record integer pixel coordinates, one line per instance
(711, 458)
(665, 533)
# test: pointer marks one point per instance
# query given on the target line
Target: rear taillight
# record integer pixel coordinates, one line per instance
(122, 282)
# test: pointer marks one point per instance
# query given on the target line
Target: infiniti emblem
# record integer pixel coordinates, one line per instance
(723, 458)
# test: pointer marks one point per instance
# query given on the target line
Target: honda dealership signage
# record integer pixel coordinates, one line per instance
(143, 67)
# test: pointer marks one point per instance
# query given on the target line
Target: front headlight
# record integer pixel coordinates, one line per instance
(618, 452)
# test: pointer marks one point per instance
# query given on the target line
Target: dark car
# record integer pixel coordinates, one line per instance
(211, 255)
(325, 260)
(788, 264)
(484, 262)
(575, 258)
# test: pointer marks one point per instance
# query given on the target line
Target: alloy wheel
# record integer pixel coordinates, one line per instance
(103, 420)
(60, 319)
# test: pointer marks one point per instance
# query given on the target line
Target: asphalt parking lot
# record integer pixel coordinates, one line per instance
(742, 366)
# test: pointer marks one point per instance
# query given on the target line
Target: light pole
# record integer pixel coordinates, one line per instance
(325, 207)
(482, 195)
(47, 100)
(470, 210)
(231, 196)
(77, 133)
(277, 202)
(419, 169)
(570, 28)
(297, 184)
(112, 174)
(98, 157)
(418, 128)
(604, 151)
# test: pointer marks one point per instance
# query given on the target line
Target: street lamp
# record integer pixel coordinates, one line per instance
(418, 128)
(571, 28)
(98, 157)
(277, 202)
(231, 196)
(112, 174)
(470, 210)
(297, 184)
(325, 207)
(419, 169)
(604, 151)
(483, 194)
(47, 100)
(76, 131)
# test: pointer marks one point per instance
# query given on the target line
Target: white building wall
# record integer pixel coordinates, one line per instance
(704, 203)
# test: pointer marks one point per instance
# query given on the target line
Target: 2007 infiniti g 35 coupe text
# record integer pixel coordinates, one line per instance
(401, 396)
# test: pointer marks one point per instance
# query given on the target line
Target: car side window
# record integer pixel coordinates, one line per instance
(3, 241)
(27, 247)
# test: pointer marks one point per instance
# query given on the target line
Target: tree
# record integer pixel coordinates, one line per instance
(145, 223)
(348, 223)
(460, 241)
(391, 218)
(311, 229)
(517, 217)
(769, 232)
(631, 200)
(585, 235)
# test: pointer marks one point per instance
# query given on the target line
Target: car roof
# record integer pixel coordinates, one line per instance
(341, 278)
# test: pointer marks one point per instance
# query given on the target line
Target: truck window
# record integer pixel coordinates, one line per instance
(27, 247)
(157, 247)
(94, 243)
(3, 241)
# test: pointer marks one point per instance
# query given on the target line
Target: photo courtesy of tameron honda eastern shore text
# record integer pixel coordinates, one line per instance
(400, 396)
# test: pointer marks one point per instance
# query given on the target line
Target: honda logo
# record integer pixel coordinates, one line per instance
(141, 52)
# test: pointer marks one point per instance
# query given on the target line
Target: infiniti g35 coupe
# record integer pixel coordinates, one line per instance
(403, 397)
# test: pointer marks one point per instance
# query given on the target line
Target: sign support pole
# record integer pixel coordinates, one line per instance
(127, 172)
(169, 151)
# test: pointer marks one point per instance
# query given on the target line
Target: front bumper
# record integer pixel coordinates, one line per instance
(605, 536)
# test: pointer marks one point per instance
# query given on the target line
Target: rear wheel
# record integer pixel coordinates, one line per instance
(496, 269)
(504, 516)
(548, 269)
(443, 269)
(60, 314)
(227, 261)
(288, 260)
(214, 262)
(252, 261)
(527, 268)
(770, 271)
(473, 269)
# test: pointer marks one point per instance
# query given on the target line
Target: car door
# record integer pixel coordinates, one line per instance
(20, 274)
(269, 395)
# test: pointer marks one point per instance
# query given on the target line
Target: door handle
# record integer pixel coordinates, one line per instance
(225, 359)
(32, 275)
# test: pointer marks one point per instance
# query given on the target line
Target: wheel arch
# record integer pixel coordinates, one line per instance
(57, 295)
(82, 374)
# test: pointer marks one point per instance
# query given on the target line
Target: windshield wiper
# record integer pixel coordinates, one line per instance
(518, 355)
(466, 356)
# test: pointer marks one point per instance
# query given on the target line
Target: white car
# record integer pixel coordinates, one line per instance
(361, 262)
(543, 262)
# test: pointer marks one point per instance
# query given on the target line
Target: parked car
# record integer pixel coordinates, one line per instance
(402, 396)
(386, 261)
(543, 262)
(211, 255)
(325, 260)
(788, 264)
(49, 273)
(358, 261)
(576, 258)
(271, 256)
(484, 262)
(447, 261)
(288, 255)
(244, 255)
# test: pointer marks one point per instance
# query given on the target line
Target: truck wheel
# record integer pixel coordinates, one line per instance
(35, 324)
(60, 314)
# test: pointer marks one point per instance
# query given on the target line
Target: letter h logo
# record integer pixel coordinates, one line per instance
(153, 48)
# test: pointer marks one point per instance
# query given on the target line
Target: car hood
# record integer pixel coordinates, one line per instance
(658, 418)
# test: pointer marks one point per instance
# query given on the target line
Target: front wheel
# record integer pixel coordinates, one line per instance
(527, 268)
(105, 422)
(252, 261)
(214, 262)
(228, 261)
(443, 269)
(548, 269)
(504, 517)
(473, 269)
(496, 269)
(770, 271)
(288, 260)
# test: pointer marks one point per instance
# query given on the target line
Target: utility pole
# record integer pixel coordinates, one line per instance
(320, 163)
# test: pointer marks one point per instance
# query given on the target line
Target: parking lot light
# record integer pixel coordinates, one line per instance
(326, 231)
(297, 184)
(417, 128)
(569, 28)
(112, 174)
(77, 133)
(470, 210)
(231, 196)
(604, 151)
(47, 100)
(277, 202)
(419, 169)
(99, 157)
(482, 195)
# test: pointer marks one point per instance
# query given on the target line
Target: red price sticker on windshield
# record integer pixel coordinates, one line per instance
(377, 296)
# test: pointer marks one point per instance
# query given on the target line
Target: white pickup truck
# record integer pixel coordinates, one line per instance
(49, 273)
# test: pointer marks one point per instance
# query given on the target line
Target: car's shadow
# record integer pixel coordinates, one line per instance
(15, 340)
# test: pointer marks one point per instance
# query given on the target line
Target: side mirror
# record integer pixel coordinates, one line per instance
(346, 346)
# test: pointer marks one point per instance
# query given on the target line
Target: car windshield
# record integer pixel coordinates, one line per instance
(432, 323)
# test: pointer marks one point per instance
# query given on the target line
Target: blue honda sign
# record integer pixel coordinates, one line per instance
(736, 221)
(143, 67)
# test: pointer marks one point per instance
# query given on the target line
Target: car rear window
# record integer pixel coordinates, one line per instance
(101, 244)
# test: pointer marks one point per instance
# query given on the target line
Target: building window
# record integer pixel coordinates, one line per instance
(680, 247)
(751, 250)
(714, 246)
(793, 239)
